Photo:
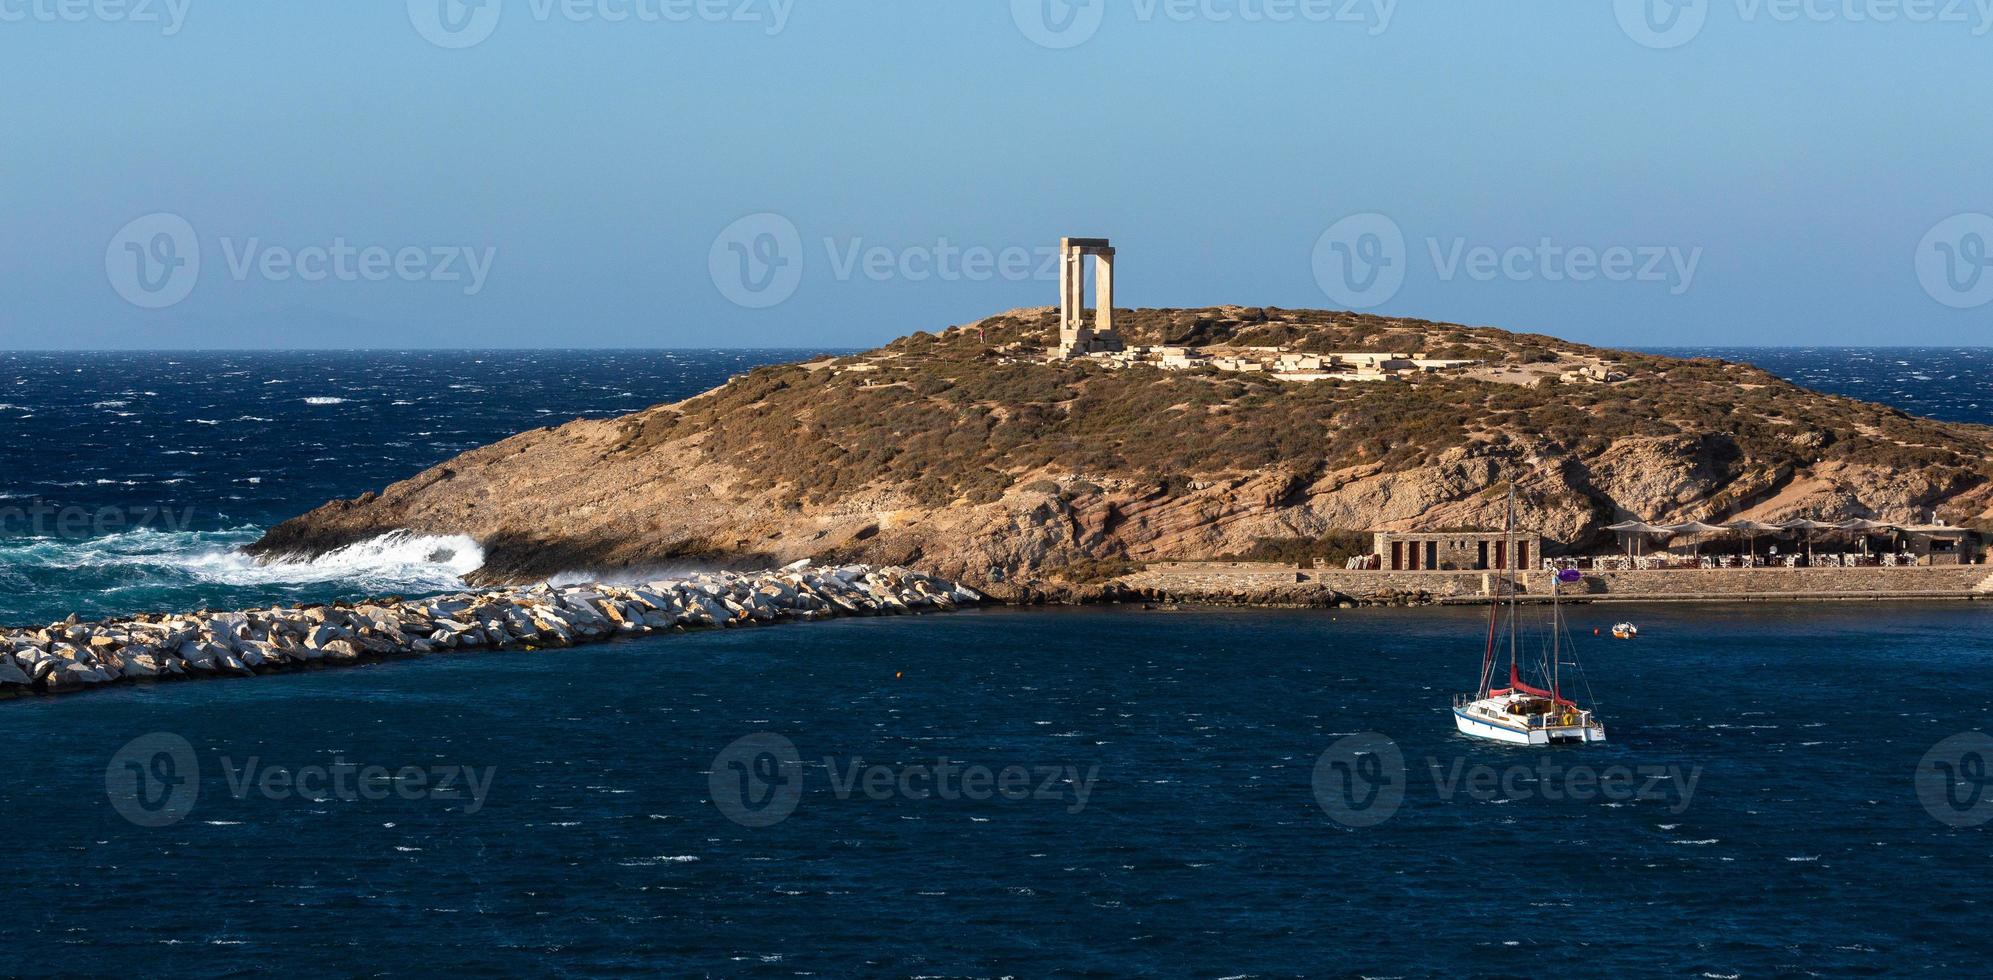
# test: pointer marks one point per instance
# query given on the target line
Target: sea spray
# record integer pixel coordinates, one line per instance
(399, 560)
(149, 568)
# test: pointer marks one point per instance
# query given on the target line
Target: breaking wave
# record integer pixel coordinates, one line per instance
(398, 561)
(228, 444)
(148, 569)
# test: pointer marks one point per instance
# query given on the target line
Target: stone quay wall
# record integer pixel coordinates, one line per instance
(1236, 581)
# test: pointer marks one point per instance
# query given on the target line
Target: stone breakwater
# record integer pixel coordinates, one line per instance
(73, 656)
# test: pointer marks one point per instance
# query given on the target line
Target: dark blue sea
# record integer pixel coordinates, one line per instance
(1788, 790)
(127, 481)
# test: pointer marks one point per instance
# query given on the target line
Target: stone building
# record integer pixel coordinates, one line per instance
(1939, 544)
(1455, 551)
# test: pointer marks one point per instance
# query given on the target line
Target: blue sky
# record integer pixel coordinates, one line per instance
(755, 173)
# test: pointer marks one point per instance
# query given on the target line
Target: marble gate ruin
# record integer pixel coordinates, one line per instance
(1077, 337)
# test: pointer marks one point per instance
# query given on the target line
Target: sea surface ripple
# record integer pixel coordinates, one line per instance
(605, 842)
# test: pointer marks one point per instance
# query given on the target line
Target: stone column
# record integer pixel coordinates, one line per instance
(1074, 336)
(1103, 324)
(1066, 312)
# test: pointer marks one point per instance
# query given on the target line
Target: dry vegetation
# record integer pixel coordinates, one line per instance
(952, 417)
(970, 454)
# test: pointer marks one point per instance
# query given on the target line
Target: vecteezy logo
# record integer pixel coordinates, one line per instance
(1360, 260)
(154, 781)
(1954, 263)
(1953, 782)
(757, 781)
(455, 24)
(757, 262)
(1360, 780)
(1662, 24)
(155, 261)
(1058, 24)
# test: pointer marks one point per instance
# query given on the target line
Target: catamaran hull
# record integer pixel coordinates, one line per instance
(1572, 735)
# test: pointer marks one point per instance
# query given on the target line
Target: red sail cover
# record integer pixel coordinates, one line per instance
(1516, 684)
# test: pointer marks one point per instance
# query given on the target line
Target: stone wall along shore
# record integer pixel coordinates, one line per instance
(73, 656)
(1230, 582)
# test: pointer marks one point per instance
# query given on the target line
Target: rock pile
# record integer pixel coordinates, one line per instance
(72, 656)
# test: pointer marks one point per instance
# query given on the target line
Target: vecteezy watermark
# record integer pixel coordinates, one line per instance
(1361, 262)
(350, 782)
(155, 262)
(1547, 260)
(41, 519)
(467, 266)
(1059, 24)
(1953, 780)
(758, 781)
(1063, 24)
(459, 24)
(155, 781)
(1665, 24)
(1662, 24)
(1955, 263)
(942, 261)
(455, 24)
(168, 15)
(1362, 780)
(758, 261)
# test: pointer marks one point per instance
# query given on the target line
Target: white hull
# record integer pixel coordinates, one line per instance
(1555, 735)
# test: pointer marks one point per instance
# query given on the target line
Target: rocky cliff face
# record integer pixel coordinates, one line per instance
(967, 456)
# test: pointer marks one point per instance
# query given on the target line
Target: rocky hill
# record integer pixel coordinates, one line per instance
(969, 455)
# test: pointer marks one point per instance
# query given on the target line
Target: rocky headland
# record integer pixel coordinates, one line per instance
(970, 455)
(73, 656)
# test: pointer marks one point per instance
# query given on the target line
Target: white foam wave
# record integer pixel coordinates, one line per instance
(395, 563)
(660, 859)
(325, 401)
(398, 561)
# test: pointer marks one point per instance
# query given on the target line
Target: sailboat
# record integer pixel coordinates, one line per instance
(1520, 713)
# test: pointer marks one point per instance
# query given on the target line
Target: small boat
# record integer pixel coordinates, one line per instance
(1625, 631)
(1520, 713)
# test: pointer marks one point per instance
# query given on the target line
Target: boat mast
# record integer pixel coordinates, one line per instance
(1514, 587)
(1556, 639)
(1487, 683)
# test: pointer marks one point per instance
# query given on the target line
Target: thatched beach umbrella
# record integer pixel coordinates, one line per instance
(1864, 524)
(1863, 527)
(1696, 531)
(1807, 528)
(1634, 530)
(1751, 530)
